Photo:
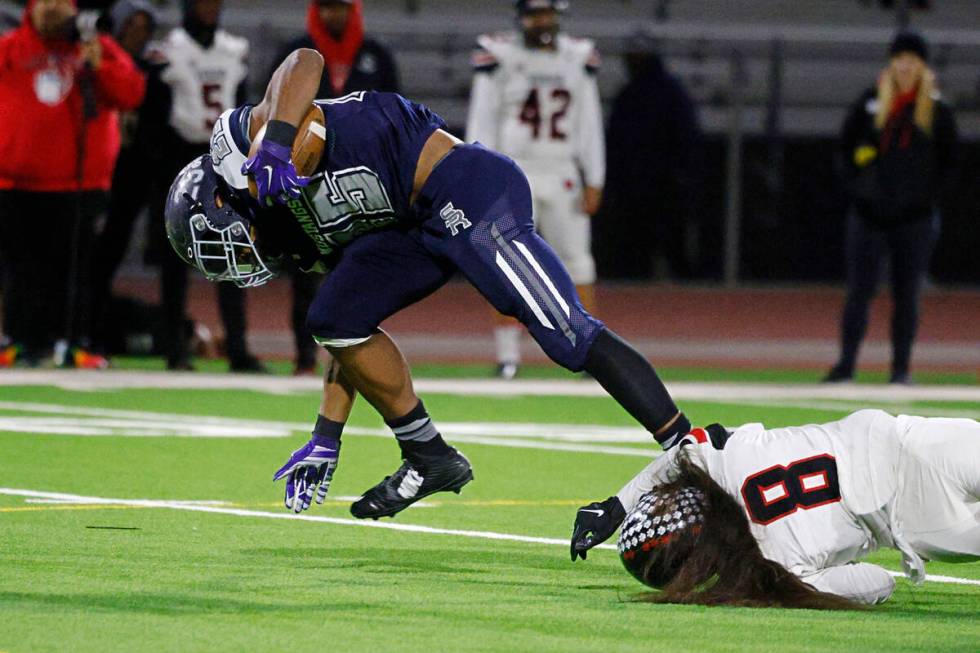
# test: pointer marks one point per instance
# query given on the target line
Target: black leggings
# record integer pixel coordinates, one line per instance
(909, 247)
(46, 243)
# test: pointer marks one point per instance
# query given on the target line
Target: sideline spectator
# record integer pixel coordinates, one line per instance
(352, 62)
(205, 72)
(898, 146)
(142, 132)
(652, 171)
(61, 87)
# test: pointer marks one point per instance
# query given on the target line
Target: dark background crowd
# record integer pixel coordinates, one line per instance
(98, 118)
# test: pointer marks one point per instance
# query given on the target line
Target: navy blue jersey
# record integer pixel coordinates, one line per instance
(364, 180)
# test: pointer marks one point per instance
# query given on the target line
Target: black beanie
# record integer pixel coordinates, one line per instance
(909, 41)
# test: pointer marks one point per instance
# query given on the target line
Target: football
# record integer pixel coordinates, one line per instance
(311, 138)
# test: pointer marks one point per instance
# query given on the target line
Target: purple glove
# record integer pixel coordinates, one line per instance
(310, 469)
(272, 168)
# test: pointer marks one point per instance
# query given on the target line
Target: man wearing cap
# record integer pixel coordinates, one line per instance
(897, 145)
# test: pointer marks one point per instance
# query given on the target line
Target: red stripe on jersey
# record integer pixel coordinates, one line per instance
(482, 58)
(700, 435)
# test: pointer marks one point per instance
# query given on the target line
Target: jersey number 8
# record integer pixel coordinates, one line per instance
(780, 491)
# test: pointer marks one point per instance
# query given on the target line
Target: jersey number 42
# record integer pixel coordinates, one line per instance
(542, 108)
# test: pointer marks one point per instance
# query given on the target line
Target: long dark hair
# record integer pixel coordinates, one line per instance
(719, 562)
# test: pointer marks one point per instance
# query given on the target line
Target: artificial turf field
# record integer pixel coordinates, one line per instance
(136, 517)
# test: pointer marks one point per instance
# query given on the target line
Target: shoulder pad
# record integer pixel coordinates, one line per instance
(226, 153)
(483, 61)
(236, 45)
(155, 53)
(593, 62)
(581, 50)
(499, 45)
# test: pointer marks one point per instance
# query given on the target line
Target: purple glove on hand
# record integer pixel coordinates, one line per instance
(272, 168)
(309, 469)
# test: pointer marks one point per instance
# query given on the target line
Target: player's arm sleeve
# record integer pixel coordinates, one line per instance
(483, 118)
(861, 582)
(120, 83)
(590, 141)
(656, 473)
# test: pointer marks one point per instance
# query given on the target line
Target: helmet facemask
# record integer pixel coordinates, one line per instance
(227, 254)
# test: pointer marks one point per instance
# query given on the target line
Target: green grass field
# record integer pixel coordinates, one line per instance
(180, 541)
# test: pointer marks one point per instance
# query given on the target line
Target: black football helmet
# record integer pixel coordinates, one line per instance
(538, 34)
(527, 6)
(213, 230)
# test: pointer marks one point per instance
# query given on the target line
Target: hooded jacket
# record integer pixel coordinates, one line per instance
(41, 110)
(354, 63)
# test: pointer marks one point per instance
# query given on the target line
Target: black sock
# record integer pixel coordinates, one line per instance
(328, 428)
(417, 435)
(630, 379)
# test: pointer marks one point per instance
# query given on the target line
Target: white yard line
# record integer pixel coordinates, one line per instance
(722, 392)
(57, 419)
(194, 506)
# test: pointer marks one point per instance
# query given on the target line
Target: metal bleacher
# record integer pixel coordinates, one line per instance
(817, 55)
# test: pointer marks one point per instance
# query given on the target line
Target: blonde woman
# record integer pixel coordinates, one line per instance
(898, 148)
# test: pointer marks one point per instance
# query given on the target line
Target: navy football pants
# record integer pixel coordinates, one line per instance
(474, 216)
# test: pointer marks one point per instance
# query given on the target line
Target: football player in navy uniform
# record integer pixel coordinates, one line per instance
(395, 208)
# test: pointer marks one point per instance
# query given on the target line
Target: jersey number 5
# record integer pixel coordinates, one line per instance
(531, 113)
(780, 491)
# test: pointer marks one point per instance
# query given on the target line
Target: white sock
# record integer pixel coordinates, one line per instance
(508, 342)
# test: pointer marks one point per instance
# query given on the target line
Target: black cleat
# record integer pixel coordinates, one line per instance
(414, 480)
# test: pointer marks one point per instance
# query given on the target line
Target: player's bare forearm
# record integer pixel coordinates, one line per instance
(338, 393)
(591, 199)
(291, 90)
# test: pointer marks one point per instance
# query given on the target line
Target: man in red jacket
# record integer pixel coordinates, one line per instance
(60, 92)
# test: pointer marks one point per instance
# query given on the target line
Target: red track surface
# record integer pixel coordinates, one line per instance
(658, 314)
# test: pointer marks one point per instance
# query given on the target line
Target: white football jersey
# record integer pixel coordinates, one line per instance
(815, 495)
(539, 107)
(203, 80)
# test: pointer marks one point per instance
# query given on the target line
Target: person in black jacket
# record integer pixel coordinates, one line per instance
(133, 23)
(652, 170)
(897, 143)
(352, 62)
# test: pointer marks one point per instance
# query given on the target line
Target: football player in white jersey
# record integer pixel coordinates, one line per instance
(535, 99)
(205, 71)
(816, 499)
